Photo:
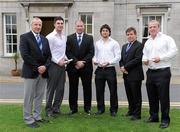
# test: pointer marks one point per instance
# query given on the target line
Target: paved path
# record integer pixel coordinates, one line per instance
(11, 90)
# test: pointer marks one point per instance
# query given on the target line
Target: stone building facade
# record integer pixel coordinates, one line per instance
(16, 15)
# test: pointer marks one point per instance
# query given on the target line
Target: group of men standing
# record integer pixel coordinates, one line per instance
(46, 59)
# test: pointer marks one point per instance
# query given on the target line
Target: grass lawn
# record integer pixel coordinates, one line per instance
(11, 121)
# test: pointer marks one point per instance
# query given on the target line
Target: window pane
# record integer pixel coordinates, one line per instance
(89, 29)
(8, 19)
(85, 30)
(89, 19)
(145, 20)
(8, 28)
(145, 32)
(14, 38)
(83, 18)
(158, 18)
(8, 48)
(151, 18)
(8, 39)
(14, 48)
(14, 29)
(13, 19)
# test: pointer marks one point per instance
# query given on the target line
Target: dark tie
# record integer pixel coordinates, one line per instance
(128, 47)
(79, 39)
(39, 42)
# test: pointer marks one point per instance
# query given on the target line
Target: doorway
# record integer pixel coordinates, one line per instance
(47, 26)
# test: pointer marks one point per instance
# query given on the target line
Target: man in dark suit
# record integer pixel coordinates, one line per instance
(80, 48)
(36, 55)
(131, 66)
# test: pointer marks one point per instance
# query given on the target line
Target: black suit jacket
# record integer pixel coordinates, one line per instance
(32, 55)
(84, 52)
(132, 61)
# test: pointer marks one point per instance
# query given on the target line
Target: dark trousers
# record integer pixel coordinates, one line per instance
(55, 88)
(134, 96)
(157, 84)
(101, 76)
(86, 79)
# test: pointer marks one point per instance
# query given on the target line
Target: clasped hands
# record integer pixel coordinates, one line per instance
(79, 64)
(123, 70)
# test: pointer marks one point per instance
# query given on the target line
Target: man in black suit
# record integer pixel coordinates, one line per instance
(131, 66)
(36, 55)
(80, 48)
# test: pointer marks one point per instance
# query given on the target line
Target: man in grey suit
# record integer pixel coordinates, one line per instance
(35, 52)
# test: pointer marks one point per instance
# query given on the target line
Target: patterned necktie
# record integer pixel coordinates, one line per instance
(79, 39)
(38, 39)
(128, 47)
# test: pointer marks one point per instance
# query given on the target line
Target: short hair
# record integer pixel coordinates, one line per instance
(154, 21)
(131, 29)
(58, 18)
(34, 19)
(79, 20)
(107, 27)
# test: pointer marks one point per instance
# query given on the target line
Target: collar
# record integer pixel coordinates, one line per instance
(35, 34)
(56, 33)
(109, 39)
(81, 34)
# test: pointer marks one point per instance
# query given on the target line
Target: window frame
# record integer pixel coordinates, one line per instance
(85, 23)
(6, 53)
(150, 15)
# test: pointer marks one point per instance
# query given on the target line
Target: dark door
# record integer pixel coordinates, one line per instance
(47, 25)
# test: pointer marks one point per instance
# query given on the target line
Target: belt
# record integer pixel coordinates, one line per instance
(104, 68)
(159, 69)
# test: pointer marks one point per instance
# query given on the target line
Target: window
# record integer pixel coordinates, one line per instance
(10, 34)
(145, 20)
(88, 22)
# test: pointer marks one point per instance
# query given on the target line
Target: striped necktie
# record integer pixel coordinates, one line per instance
(39, 42)
(128, 47)
(79, 39)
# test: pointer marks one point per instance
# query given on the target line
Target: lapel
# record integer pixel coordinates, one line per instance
(83, 39)
(75, 40)
(34, 42)
(126, 55)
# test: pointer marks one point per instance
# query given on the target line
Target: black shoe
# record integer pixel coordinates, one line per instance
(56, 112)
(42, 121)
(99, 112)
(134, 118)
(88, 112)
(164, 125)
(33, 125)
(113, 114)
(152, 120)
(72, 112)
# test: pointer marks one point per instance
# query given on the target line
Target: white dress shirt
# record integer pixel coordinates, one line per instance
(108, 51)
(162, 46)
(57, 44)
(79, 35)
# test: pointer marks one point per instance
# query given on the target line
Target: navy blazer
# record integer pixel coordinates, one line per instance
(132, 61)
(84, 52)
(32, 55)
